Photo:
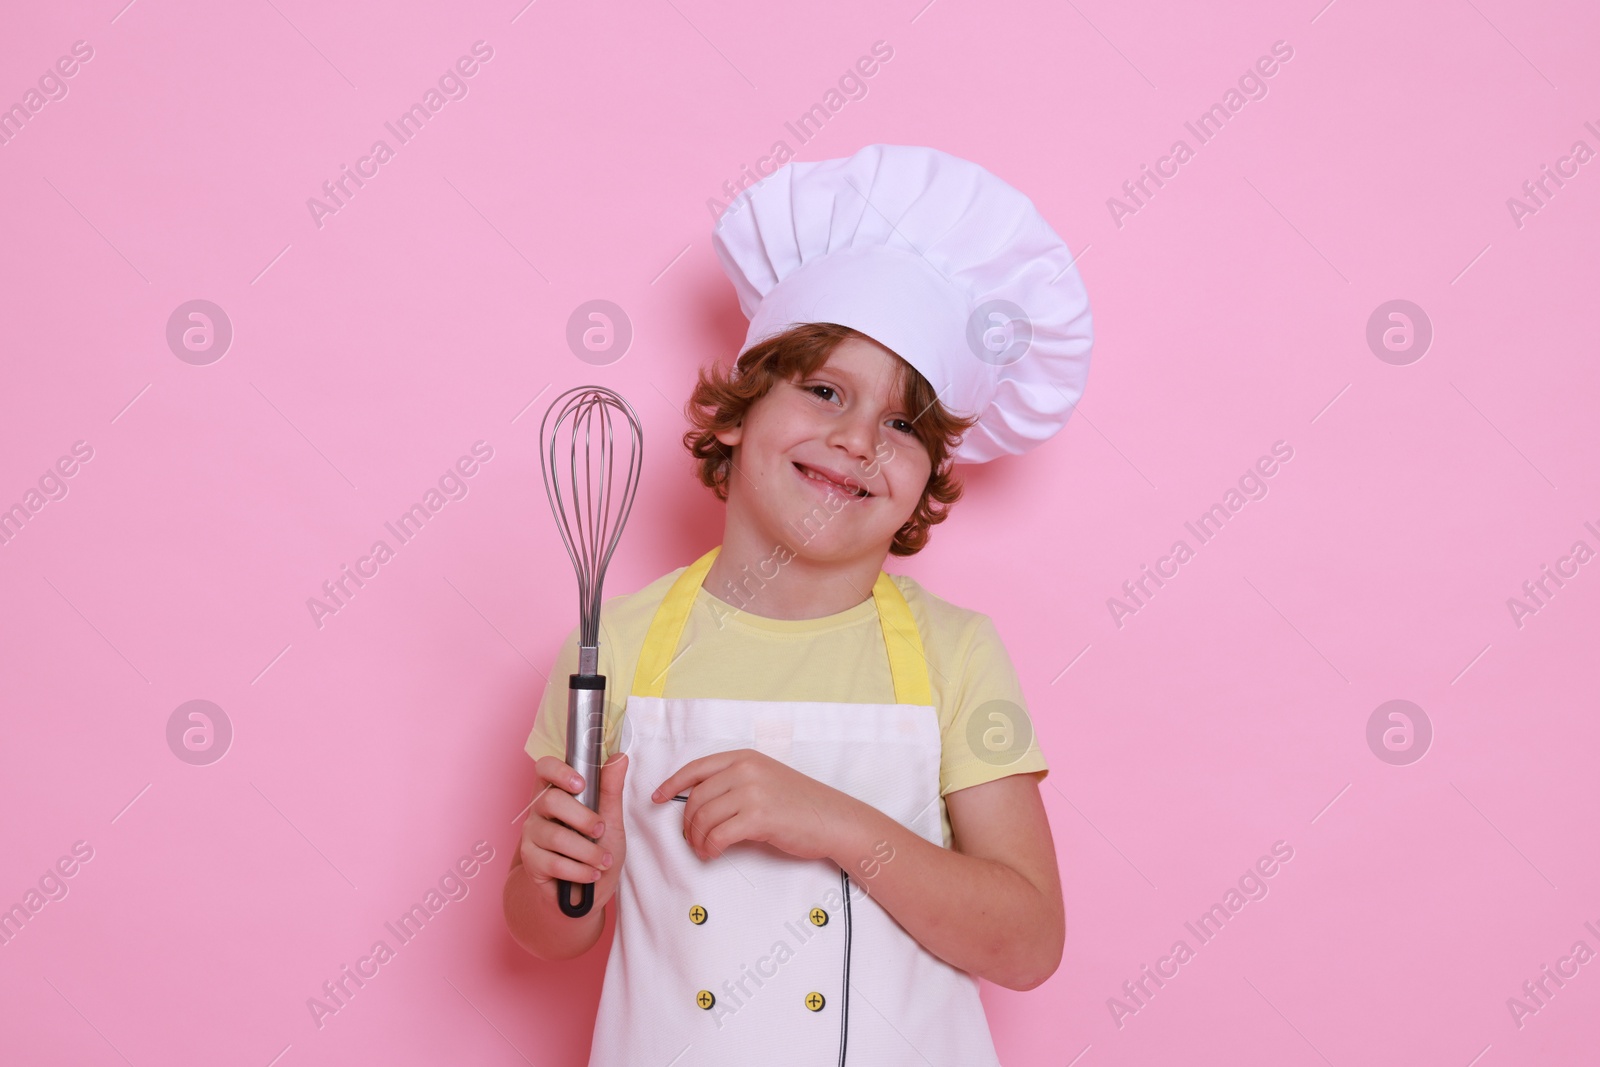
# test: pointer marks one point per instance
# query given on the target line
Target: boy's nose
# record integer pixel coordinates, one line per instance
(857, 437)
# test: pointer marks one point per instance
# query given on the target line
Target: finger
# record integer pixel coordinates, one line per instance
(729, 832)
(613, 775)
(690, 773)
(557, 773)
(546, 866)
(566, 808)
(702, 794)
(561, 840)
(708, 819)
(694, 773)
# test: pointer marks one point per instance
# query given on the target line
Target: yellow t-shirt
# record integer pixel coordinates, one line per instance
(724, 652)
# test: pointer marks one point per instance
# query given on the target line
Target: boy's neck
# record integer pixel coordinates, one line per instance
(801, 588)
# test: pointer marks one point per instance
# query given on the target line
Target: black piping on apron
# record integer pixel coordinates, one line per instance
(844, 993)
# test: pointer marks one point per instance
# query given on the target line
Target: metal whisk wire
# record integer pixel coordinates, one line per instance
(594, 507)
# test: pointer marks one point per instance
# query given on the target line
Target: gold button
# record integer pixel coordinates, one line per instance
(705, 999)
(814, 1001)
(697, 915)
(819, 917)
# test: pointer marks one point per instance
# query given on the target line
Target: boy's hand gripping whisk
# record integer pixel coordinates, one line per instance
(590, 450)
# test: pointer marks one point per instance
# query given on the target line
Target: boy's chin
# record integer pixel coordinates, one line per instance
(824, 550)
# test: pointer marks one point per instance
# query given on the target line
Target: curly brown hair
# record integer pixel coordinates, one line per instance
(720, 400)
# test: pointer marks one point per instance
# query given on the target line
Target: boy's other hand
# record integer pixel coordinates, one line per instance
(745, 795)
(554, 842)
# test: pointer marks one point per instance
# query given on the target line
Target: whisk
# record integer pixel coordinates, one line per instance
(581, 440)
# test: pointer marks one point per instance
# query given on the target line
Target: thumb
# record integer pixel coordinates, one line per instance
(612, 777)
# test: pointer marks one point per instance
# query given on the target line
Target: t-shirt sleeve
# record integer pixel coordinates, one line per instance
(549, 736)
(990, 734)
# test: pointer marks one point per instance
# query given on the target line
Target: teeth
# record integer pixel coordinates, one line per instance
(814, 476)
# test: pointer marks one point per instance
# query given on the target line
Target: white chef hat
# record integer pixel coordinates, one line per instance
(937, 260)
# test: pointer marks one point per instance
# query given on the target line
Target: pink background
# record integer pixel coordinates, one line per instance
(368, 354)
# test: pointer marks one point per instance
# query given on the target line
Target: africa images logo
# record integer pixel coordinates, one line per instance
(1252, 85)
(851, 85)
(1252, 885)
(452, 485)
(452, 85)
(52, 86)
(452, 887)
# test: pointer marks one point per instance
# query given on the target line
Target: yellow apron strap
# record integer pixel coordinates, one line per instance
(907, 661)
(908, 664)
(666, 629)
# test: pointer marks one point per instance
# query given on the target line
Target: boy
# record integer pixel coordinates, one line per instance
(838, 829)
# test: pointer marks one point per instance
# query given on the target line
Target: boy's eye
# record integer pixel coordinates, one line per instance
(830, 394)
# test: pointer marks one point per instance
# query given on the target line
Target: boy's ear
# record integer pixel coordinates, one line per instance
(730, 437)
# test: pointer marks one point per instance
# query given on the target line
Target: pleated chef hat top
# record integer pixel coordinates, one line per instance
(937, 260)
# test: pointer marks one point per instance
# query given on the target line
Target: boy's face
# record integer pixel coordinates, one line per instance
(828, 464)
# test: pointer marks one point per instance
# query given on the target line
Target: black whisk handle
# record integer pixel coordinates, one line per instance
(585, 898)
(586, 712)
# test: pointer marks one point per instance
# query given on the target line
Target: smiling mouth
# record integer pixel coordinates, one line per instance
(856, 491)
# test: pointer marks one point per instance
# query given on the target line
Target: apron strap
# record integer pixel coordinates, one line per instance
(666, 629)
(908, 663)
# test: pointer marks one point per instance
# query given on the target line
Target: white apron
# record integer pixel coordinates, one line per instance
(756, 956)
